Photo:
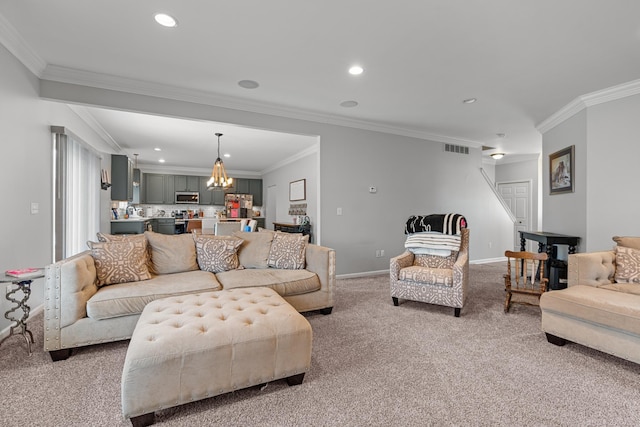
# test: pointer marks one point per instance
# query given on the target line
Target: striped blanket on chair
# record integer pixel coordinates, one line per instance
(442, 223)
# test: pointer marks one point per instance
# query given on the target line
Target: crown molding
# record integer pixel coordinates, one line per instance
(304, 153)
(594, 98)
(146, 88)
(91, 121)
(11, 39)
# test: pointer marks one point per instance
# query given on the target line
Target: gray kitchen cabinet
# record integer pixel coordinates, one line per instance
(121, 178)
(241, 186)
(166, 225)
(128, 226)
(186, 183)
(154, 188)
(169, 190)
(217, 197)
(206, 197)
(255, 189)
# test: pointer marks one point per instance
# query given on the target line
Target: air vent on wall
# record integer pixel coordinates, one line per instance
(460, 149)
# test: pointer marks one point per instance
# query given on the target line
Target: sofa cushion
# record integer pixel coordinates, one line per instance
(254, 251)
(171, 253)
(630, 288)
(288, 251)
(130, 298)
(120, 261)
(217, 253)
(433, 276)
(284, 282)
(104, 237)
(627, 265)
(618, 310)
(627, 241)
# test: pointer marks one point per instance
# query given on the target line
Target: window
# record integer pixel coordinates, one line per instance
(76, 193)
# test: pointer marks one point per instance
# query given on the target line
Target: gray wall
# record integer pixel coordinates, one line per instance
(26, 171)
(303, 168)
(566, 213)
(412, 176)
(606, 201)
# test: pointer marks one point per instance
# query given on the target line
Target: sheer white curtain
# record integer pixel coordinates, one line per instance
(77, 198)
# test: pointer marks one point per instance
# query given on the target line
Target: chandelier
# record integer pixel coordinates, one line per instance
(219, 180)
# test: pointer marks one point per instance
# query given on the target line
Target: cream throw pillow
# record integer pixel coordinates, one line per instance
(120, 261)
(172, 253)
(627, 265)
(254, 251)
(288, 251)
(217, 253)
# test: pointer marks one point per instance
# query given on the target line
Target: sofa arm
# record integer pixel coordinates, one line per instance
(399, 262)
(322, 261)
(68, 286)
(591, 268)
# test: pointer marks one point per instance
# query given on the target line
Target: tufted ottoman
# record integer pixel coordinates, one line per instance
(191, 347)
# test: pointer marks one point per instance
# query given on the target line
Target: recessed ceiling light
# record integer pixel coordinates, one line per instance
(469, 100)
(248, 84)
(356, 70)
(161, 160)
(166, 20)
(497, 156)
(157, 149)
(227, 155)
(349, 104)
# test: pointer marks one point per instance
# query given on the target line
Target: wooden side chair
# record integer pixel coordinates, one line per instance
(528, 278)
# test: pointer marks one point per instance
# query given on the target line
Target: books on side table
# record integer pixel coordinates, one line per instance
(25, 273)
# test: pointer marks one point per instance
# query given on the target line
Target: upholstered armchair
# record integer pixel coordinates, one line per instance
(432, 279)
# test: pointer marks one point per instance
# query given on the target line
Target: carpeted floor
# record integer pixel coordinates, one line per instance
(373, 364)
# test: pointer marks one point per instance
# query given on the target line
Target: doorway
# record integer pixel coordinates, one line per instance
(271, 213)
(517, 196)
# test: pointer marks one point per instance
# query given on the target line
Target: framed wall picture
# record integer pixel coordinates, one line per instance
(561, 177)
(298, 190)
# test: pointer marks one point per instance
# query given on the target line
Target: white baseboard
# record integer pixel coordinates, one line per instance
(363, 274)
(39, 309)
(488, 260)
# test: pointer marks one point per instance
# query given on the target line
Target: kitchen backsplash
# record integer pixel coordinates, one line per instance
(153, 210)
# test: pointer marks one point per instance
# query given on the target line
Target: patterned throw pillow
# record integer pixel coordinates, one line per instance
(217, 253)
(120, 261)
(288, 251)
(627, 265)
(435, 261)
(104, 237)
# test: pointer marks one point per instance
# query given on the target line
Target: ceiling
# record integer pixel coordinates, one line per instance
(523, 61)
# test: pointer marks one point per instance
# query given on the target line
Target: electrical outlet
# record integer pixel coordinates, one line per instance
(490, 245)
(339, 211)
(381, 252)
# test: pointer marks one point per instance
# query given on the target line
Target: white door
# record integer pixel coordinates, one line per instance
(517, 196)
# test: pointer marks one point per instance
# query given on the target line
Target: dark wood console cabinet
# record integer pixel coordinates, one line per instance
(305, 229)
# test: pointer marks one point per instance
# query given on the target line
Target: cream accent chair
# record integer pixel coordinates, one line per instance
(442, 286)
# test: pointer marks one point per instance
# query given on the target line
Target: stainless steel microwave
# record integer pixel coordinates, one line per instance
(187, 197)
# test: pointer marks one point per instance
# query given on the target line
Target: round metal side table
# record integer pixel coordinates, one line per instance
(23, 285)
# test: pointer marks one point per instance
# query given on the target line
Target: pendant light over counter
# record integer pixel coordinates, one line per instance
(219, 179)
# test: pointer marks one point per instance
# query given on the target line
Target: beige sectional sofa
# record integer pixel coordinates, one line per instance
(80, 310)
(600, 308)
